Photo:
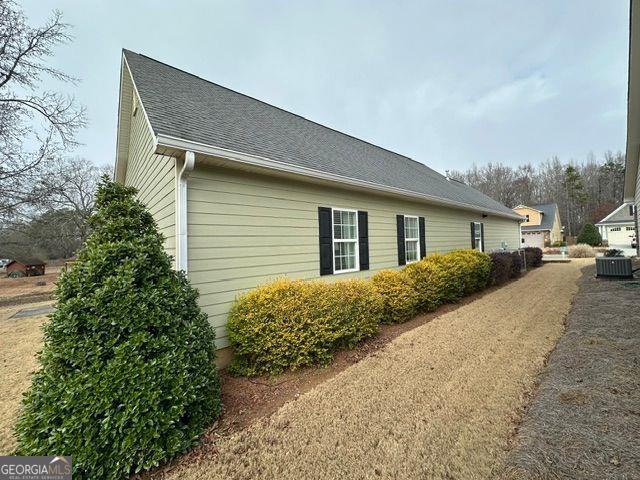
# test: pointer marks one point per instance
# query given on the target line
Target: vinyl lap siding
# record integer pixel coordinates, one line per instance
(247, 229)
(154, 177)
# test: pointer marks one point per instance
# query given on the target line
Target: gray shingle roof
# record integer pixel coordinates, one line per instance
(190, 108)
(548, 215)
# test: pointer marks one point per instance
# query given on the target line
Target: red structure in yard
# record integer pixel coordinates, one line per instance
(26, 267)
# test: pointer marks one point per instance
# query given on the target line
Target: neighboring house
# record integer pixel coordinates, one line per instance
(542, 226)
(245, 192)
(618, 228)
(632, 172)
(25, 267)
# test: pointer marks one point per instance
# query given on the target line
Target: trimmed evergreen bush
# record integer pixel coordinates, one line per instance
(128, 376)
(590, 235)
(290, 324)
(501, 268)
(429, 282)
(475, 267)
(533, 256)
(516, 264)
(397, 291)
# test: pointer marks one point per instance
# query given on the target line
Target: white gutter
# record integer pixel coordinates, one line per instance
(255, 160)
(182, 255)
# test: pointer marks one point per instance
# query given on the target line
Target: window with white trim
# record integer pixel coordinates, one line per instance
(615, 229)
(345, 241)
(477, 234)
(526, 218)
(411, 239)
(630, 229)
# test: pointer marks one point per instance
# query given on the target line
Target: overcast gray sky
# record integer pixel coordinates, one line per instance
(448, 83)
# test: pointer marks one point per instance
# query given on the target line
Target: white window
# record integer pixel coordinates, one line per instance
(526, 218)
(345, 241)
(630, 229)
(411, 239)
(477, 234)
(614, 229)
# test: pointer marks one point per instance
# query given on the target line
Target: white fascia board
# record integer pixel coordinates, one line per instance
(530, 208)
(255, 160)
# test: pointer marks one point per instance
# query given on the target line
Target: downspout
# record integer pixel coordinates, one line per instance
(181, 211)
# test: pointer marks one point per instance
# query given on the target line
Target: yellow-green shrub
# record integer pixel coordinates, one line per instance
(474, 267)
(290, 324)
(398, 293)
(429, 281)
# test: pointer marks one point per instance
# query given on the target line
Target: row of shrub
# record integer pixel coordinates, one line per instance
(291, 324)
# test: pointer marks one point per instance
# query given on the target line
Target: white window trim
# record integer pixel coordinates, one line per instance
(477, 227)
(333, 241)
(406, 261)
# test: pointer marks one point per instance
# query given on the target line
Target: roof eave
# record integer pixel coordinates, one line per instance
(180, 144)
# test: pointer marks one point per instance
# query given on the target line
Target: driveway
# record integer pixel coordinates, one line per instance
(585, 419)
(440, 401)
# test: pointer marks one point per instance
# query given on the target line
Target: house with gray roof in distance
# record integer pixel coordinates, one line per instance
(541, 226)
(618, 228)
(245, 192)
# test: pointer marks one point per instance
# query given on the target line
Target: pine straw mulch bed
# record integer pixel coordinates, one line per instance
(584, 421)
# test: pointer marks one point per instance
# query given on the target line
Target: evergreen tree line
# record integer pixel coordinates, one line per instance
(585, 191)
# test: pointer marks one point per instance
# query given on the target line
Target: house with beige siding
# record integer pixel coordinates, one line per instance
(631, 171)
(541, 226)
(245, 192)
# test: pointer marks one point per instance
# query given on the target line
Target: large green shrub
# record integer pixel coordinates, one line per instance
(128, 376)
(590, 235)
(290, 324)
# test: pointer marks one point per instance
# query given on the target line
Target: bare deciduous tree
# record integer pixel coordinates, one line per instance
(583, 191)
(55, 226)
(35, 125)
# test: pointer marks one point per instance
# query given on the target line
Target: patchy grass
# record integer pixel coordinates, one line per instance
(585, 418)
(439, 401)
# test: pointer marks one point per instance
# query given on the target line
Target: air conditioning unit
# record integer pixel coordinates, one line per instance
(618, 267)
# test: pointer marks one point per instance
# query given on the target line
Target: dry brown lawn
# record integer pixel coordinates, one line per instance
(11, 287)
(440, 401)
(20, 340)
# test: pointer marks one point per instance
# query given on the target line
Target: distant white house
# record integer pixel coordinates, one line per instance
(618, 228)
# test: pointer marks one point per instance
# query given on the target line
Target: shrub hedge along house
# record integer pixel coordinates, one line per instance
(245, 192)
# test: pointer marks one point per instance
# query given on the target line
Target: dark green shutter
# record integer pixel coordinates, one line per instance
(326, 240)
(363, 240)
(482, 235)
(402, 259)
(423, 239)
